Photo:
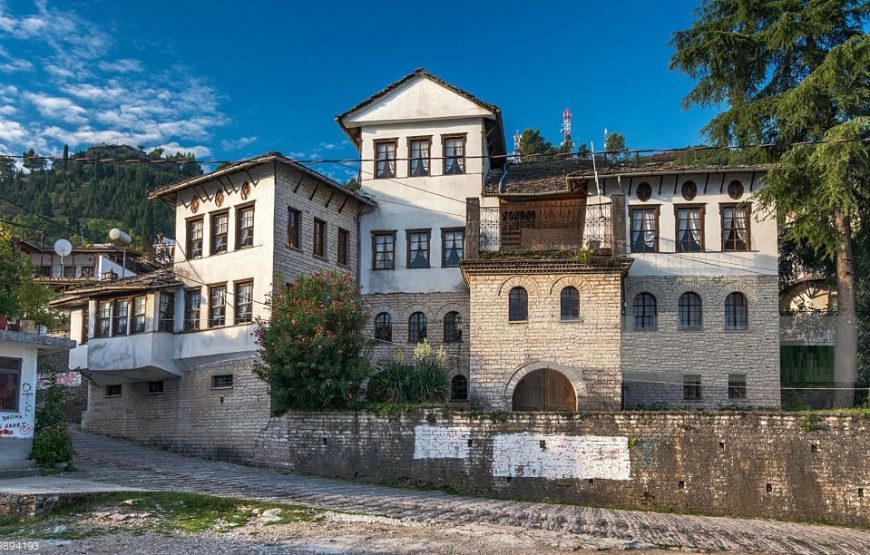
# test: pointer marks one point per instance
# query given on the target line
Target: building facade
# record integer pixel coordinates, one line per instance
(552, 285)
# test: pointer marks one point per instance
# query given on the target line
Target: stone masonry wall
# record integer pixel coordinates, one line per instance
(189, 416)
(585, 350)
(655, 361)
(779, 465)
(435, 306)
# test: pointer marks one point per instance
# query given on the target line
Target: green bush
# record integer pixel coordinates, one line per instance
(313, 349)
(52, 443)
(425, 380)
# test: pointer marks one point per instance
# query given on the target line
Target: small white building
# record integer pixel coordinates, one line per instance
(18, 353)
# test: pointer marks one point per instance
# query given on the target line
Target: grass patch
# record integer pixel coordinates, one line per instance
(162, 512)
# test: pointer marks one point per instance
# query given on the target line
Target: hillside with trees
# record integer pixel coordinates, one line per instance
(87, 193)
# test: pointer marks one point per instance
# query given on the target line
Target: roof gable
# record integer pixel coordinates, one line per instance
(419, 98)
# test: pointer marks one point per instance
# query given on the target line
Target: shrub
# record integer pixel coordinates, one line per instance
(313, 349)
(426, 380)
(52, 443)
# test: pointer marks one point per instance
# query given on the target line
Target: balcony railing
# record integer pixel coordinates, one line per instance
(547, 226)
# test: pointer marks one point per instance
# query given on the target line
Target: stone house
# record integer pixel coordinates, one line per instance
(551, 285)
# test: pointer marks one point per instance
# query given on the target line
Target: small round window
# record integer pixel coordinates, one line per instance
(689, 190)
(644, 191)
(735, 190)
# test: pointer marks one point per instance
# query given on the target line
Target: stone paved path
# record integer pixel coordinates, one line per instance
(127, 463)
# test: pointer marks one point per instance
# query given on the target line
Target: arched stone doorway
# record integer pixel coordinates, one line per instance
(544, 389)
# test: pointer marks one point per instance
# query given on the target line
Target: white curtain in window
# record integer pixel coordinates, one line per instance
(649, 226)
(740, 221)
(695, 225)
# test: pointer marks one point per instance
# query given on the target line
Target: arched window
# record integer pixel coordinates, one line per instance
(690, 311)
(518, 305)
(736, 312)
(384, 327)
(570, 304)
(644, 312)
(416, 327)
(459, 388)
(452, 327)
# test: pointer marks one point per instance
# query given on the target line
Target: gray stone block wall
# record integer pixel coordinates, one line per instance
(435, 306)
(586, 350)
(189, 415)
(654, 362)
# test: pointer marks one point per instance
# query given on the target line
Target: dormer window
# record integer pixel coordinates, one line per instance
(385, 159)
(418, 163)
(454, 155)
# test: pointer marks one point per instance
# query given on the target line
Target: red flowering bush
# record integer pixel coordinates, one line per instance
(313, 349)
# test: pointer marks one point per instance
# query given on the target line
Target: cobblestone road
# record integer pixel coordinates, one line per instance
(127, 463)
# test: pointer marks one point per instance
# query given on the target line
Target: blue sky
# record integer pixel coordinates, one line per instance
(228, 80)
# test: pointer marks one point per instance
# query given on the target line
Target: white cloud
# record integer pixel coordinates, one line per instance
(237, 144)
(57, 107)
(11, 131)
(7, 110)
(199, 151)
(124, 65)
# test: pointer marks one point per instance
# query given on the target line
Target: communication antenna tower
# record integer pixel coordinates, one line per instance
(566, 124)
(517, 138)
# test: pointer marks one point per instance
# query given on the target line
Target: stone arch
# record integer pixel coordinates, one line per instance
(728, 287)
(581, 283)
(442, 311)
(526, 282)
(572, 374)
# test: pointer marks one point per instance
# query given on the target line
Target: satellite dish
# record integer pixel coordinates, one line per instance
(62, 247)
(119, 236)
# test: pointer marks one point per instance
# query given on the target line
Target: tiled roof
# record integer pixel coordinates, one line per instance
(172, 188)
(143, 282)
(550, 176)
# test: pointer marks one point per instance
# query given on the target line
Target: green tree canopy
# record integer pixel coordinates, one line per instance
(534, 147)
(615, 144)
(795, 71)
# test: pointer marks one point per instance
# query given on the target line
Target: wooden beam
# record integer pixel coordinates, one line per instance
(661, 180)
(332, 194)
(707, 182)
(630, 185)
(723, 183)
(752, 182)
(676, 179)
(343, 203)
(298, 183)
(314, 192)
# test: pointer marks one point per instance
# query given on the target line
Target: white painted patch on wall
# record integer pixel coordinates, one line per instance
(557, 456)
(432, 442)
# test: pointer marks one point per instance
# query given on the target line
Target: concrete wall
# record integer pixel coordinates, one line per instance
(655, 361)
(586, 350)
(16, 427)
(736, 464)
(189, 415)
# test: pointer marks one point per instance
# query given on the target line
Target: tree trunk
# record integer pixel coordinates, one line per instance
(846, 348)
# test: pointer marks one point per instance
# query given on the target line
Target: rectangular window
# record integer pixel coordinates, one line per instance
(113, 390)
(319, 248)
(645, 229)
(217, 306)
(383, 250)
(244, 302)
(155, 387)
(69, 271)
(138, 315)
(194, 238)
(104, 319)
(737, 386)
(385, 159)
(220, 224)
(735, 228)
(343, 246)
(88, 272)
(192, 300)
(167, 312)
(454, 155)
(418, 249)
(120, 325)
(10, 383)
(690, 229)
(224, 381)
(293, 218)
(452, 241)
(418, 154)
(245, 227)
(692, 387)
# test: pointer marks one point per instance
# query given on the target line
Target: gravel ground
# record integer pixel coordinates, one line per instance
(344, 534)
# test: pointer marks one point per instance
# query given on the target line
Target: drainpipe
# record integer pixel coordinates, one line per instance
(501, 181)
